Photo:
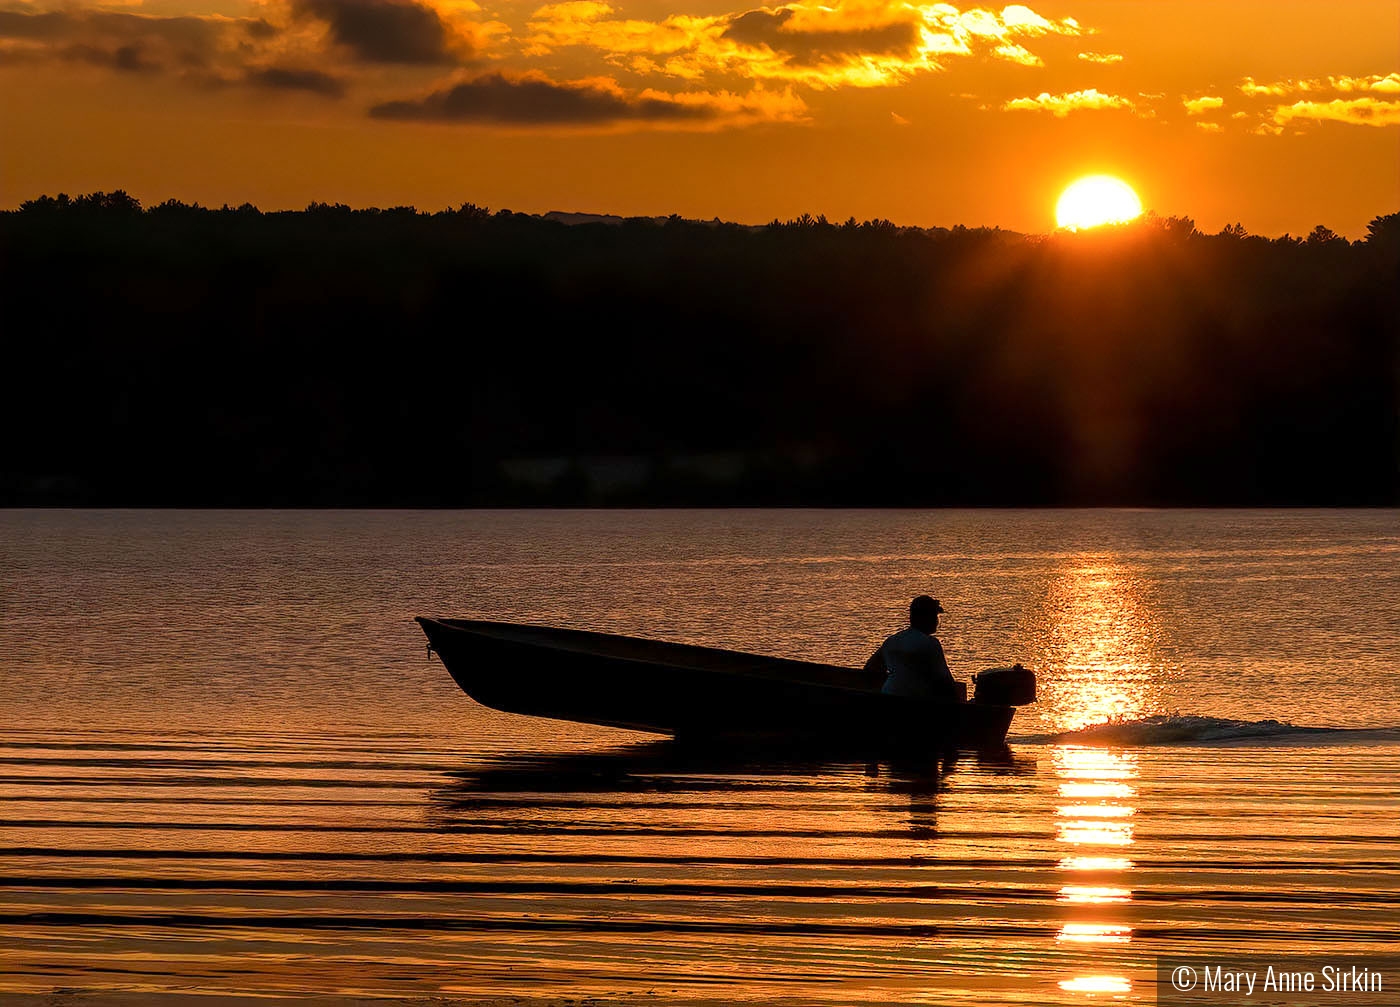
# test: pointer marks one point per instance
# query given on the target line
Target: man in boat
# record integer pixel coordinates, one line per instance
(912, 660)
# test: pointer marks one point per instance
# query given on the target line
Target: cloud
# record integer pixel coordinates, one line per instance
(1200, 106)
(1013, 52)
(327, 47)
(1353, 111)
(1389, 84)
(297, 45)
(1061, 105)
(1210, 127)
(210, 52)
(863, 44)
(1253, 89)
(589, 23)
(533, 99)
(1101, 57)
(123, 41)
(1341, 98)
(1375, 83)
(883, 43)
(1020, 18)
(291, 79)
(389, 31)
(129, 58)
(822, 47)
(807, 41)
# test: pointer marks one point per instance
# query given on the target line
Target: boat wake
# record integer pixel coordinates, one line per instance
(1189, 729)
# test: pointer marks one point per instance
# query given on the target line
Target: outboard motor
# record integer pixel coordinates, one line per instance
(1014, 686)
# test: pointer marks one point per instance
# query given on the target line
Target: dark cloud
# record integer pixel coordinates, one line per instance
(130, 42)
(770, 28)
(128, 58)
(536, 100)
(292, 79)
(210, 53)
(20, 24)
(388, 31)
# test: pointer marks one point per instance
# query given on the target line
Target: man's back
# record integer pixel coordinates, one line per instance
(916, 666)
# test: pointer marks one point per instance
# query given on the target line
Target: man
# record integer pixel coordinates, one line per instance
(913, 658)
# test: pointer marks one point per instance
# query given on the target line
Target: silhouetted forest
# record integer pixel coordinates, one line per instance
(180, 355)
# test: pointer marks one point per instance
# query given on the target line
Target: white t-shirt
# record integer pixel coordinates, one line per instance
(916, 666)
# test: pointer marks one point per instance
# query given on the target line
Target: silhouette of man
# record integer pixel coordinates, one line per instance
(912, 659)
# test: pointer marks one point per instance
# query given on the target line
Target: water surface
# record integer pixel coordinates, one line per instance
(228, 766)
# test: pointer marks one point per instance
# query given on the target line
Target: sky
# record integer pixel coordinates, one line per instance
(1276, 114)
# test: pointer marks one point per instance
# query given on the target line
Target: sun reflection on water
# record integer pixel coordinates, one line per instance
(1095, 811)
(1095, 933)
(1100, 783)
(1089, 894)
(1096, 984)
(1096, 643)
(1095, 864)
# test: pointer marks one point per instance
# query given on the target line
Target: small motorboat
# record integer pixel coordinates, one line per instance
(699, 693)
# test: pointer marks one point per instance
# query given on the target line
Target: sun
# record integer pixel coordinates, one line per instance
(1095, 200)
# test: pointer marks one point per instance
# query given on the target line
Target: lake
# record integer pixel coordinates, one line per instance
(230, 767)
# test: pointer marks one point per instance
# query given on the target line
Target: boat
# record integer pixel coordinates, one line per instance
(702, 693)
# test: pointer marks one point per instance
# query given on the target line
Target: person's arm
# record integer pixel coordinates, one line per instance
(942, 674)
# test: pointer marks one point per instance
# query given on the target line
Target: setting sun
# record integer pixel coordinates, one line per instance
(1095, 200)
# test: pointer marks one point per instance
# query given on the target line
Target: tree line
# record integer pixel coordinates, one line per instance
(178, 355)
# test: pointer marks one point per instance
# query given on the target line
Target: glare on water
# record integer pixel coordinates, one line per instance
(1093, 637)
(1098, 887)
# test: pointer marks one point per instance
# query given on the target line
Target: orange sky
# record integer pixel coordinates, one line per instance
(1275, 113)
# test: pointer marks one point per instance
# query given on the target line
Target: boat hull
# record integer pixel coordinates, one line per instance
(696, 693)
